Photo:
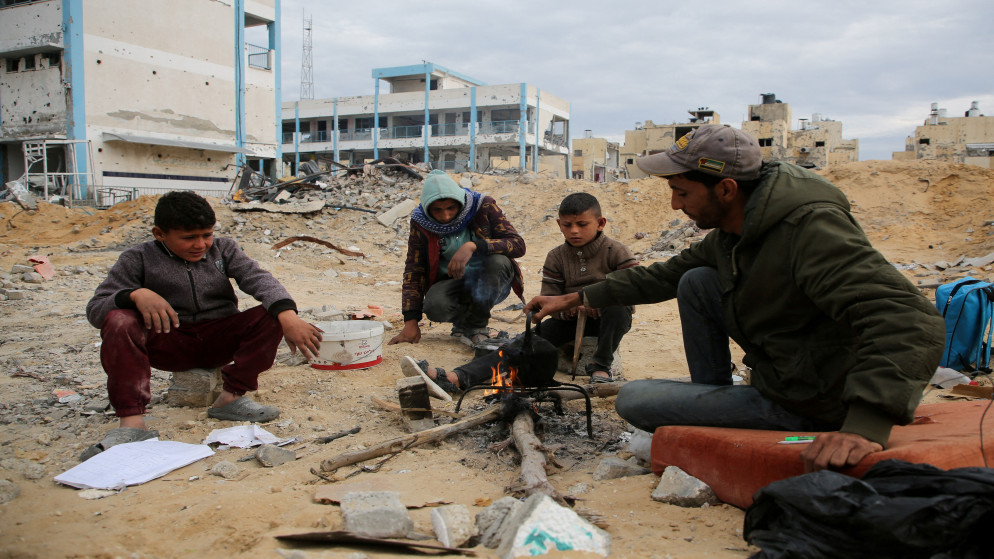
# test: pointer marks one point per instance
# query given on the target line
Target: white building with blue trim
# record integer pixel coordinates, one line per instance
(430, 114)
(105, 97)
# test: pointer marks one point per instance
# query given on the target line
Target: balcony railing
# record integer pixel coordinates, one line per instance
(258, 57)
(500, 127)
(398, 132)
(450, 129)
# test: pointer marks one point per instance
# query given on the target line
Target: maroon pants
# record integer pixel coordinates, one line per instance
(244, 343)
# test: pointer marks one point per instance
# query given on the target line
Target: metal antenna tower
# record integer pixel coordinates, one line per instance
(307, 63)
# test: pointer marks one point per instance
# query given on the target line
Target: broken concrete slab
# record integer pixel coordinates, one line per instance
(377, 514)
(677, 487)
(541, 525)
(403, 209)
(291, 208)
(32, 277)
(453, 525)
(613, 467)
(980, 261)
(490, 522)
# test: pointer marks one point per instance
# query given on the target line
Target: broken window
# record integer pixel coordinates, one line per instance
(578, 153)
(819, 144)
(54, 59)
(12, 64)
(765, 142)
(29, 62)
(923, 141)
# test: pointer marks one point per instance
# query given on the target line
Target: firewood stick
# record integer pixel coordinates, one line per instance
(407, 441)
(581, 325)
(533, 463)
(599, 390)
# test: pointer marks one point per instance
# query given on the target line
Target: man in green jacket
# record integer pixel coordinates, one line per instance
(837, 339)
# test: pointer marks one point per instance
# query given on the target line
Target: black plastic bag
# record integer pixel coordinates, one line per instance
(898, 509)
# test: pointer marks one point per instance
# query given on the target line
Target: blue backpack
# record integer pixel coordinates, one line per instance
(967, 305)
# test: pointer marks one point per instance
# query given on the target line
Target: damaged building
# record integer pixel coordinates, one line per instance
(817, 143)
(596, 159)
(430, 114)
(100, 101)
(967, 139)
(649, 138)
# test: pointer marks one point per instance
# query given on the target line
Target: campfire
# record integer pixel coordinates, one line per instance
(526, 369)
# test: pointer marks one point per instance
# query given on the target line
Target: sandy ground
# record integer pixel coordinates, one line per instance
(918, 214)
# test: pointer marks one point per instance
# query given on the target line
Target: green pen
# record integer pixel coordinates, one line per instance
(800, 438)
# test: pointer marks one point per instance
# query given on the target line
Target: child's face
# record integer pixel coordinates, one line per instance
(580, 229)
(444, 210)
(189, 244)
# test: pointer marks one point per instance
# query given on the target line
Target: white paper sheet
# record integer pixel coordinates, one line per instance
(244, 436)
(133, 464)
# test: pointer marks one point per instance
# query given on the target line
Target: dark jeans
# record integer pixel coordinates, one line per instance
(613, 324)
(244, 343)
(710, 399)
(466, 302)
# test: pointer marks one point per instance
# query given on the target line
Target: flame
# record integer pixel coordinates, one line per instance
(499, 380)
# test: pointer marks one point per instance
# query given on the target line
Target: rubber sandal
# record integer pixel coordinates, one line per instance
(599, 379)
(592, 368)
(411, 368)
(244, 409)
(118, 436)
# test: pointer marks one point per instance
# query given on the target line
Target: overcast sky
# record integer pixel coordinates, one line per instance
(874, 65)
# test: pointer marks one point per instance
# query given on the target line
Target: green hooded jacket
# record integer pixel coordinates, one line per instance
(831, 330)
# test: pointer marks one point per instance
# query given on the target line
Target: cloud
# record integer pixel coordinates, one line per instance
(875, 66)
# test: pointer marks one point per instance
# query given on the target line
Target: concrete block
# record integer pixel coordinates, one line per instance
(541, 525)
(377, 514)
(32, 277)
(490, 521)
(18, 269)
(16, 295)
(402, 209)
(195, 388)
(587, 348)
(453, 525)
(677, 487)
(613, 467)
(412, 393)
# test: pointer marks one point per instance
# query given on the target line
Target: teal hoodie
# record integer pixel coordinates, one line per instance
(438, 185)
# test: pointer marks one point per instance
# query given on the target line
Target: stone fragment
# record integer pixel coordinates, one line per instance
(225, 469)
(453, 525)
(412, 393)
(541, 525)
(613, 467)
(32, 277)
(677, 487)
(19, 269)
(377, 514)
(195, 388)
(271, 456)
(490, 521)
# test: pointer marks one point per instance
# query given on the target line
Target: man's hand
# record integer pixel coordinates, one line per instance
(545, 305)
(300, 334)
(457, 264)
(157, 313)
(837, 450)
(410, 334)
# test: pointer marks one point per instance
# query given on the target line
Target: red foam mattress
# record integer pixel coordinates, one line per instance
(738, 462)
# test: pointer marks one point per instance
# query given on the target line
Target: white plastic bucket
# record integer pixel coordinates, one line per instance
(349, 344)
